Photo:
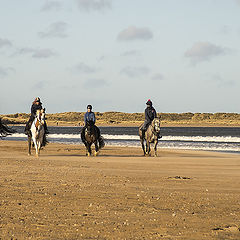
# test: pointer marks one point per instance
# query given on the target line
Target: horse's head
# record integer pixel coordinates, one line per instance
(89, 127)
(40, 116)
(156, 125)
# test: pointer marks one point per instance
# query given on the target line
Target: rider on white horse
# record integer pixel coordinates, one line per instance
(150, 114)
(36, 105)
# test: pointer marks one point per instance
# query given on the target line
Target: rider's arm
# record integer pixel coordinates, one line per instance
(147, 118)
(155, 113)
(85, 118)
(93, 118)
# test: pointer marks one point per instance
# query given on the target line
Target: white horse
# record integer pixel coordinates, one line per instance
(151, 136)
(37, 131)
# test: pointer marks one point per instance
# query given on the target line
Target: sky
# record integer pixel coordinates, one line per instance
(184, 55)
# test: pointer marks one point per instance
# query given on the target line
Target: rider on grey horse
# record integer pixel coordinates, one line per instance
(150, 114)
(36, 105)
(90, 117)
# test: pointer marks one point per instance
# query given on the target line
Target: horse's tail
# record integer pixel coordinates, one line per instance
(101, 142)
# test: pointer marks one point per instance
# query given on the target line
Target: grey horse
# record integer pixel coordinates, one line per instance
(151, 136)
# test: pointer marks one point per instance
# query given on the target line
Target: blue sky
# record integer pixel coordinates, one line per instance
(115, 54)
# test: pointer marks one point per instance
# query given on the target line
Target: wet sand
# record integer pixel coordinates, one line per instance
(118, 195)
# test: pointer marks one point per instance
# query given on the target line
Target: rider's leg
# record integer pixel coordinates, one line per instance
(28, 125)
(144, 128)
(45, 128)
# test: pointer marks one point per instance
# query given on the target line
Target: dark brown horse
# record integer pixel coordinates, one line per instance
(5, 130)
(151, 136)
(92, 135)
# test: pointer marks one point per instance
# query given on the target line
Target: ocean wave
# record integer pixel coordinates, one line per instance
(222, 139)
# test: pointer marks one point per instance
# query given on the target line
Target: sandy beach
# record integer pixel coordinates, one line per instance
(118, 195)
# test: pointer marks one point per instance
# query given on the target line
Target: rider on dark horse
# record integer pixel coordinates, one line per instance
(150, 114)
(5, 130)
(90, 117)
(36, 105)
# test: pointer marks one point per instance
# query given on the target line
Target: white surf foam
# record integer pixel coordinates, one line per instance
(223, 139)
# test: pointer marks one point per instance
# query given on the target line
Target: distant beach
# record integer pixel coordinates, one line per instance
(118, 195)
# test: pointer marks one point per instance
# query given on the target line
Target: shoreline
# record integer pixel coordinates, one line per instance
(136, 125)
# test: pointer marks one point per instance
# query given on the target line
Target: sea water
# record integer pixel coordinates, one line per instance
(225, 139)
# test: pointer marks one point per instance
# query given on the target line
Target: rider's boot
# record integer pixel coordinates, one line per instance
(45, 128)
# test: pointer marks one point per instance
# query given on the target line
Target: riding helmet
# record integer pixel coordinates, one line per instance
(89, 106)
(149, 102)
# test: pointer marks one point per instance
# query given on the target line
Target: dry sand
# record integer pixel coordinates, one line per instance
(118, 195)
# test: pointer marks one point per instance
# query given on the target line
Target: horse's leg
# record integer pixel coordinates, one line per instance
(29, 145)
(89, 149)
(155, 147)
(148, 147)
(35, 145)
(39, 146)
(143, 147)
(96, 148)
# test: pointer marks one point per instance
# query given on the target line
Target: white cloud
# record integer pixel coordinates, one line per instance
(37, 53)
(135, 71)
(134, 33)
(157, 77)
(55, 30)
(225, 30)
(131, 53)
(221, 82)
(204, 51)
(5, 43)
(82, 67)
(43, 53)
(95, 83)
(4, 72)
(51, 5)
(94, 5)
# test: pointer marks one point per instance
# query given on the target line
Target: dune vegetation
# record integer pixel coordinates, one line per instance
(132, 119)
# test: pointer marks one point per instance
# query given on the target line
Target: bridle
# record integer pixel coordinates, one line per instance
(40, 118)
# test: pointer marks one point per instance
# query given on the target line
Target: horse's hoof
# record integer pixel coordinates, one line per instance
(29, 154)
(89, 154)
(96, 154)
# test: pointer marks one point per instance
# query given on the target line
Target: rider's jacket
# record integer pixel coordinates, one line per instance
(35, 107)
(150, 114)
(89, 116)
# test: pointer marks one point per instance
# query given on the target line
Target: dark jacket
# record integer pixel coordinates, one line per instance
(150, 114)
(34, 108)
